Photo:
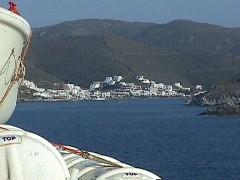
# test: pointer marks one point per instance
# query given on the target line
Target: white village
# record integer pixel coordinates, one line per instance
(110, 88)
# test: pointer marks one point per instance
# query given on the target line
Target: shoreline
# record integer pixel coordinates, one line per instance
(111, 99)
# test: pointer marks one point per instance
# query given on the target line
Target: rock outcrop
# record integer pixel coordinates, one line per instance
(221, 100)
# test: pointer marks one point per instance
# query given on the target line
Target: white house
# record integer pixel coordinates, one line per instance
(140, 78)
(168, 88)
(117, 78)
(106, 94)
(146, 81)
(199, 87)
(112, 83)
(108, 80)
(159, 85)
(94, 86)
(178, 85)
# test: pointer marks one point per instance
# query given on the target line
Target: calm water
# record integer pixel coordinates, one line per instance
(160, 135)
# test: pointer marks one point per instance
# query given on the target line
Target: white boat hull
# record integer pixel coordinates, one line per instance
(8, 106)
(14, 34)
(27, 156)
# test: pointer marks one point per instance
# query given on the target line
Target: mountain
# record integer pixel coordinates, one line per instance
(89, 50)
(177, 34)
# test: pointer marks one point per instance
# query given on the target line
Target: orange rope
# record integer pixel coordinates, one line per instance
(86, 155)
(3, 128)
(27, 47)
(71, 150)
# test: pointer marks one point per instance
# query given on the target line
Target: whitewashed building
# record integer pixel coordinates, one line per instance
(117, 78)
(95, 85)
(140, 78)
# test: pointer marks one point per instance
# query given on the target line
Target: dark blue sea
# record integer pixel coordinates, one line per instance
(160, 135)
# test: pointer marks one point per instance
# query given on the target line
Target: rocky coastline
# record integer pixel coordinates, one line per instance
(221, 100)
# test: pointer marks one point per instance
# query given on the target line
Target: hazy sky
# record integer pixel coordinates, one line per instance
(41, 13)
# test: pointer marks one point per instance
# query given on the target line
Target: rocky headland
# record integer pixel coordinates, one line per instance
(221, 100)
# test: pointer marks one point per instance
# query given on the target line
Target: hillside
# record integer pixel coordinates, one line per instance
(89, 50)
(178, 34)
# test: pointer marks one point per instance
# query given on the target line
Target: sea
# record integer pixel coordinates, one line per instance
(160, 135)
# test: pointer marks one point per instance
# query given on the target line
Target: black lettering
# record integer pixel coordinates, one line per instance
(9, 138)
(131, 174)
(13, 138)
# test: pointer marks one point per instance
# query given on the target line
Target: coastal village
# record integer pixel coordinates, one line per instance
(110, 88)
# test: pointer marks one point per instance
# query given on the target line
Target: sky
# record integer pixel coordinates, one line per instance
(40, 13)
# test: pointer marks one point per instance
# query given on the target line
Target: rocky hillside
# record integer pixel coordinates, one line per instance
(221, 100)
(89, 50)
(178, 34)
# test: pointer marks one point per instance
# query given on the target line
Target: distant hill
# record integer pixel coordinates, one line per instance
(89, 50)
(178, 34)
